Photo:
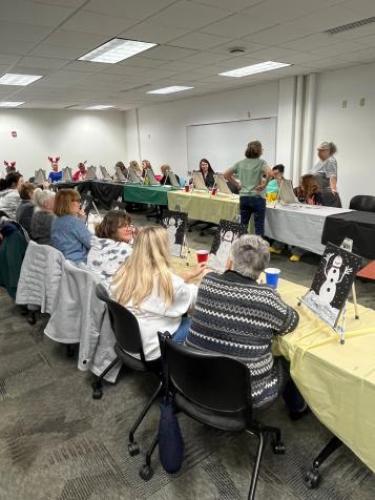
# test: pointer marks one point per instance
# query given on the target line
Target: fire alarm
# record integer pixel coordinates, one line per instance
(14, 133)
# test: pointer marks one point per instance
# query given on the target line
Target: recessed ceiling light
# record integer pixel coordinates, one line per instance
(100, 106)
(169, 90)
(254, 69)
(116, 50)
(15, 79)
(10, 104)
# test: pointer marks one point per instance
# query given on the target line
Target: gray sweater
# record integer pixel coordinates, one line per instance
(41, 223)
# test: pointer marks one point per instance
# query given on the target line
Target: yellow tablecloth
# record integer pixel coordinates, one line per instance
(337, 381)
(203, 206)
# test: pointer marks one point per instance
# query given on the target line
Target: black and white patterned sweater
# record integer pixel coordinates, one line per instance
(236, 316)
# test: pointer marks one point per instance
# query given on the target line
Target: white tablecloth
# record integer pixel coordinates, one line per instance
(300, 226)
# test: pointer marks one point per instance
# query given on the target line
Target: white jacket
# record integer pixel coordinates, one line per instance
(40, 277)
(80, 317)
(9, 201)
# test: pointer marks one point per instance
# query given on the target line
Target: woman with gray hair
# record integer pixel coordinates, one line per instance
(236, 316)
(43, 216)
(325, 171)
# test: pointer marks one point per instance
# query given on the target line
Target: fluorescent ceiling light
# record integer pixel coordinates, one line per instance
(254, 69)
(100, 106)
(15, 79)
(116, 50)
(169, 90)
(10, 104)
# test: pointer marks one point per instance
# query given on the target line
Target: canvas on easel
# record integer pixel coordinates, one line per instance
(150, 176)
(221, 184)
(67, 174)
(105, 174)
(173, 179)
(40, 177)
(198, 181)
(119, 175)
(332, 284)
(133, 176)
(226, 235)
(176, 224)
(91, 174)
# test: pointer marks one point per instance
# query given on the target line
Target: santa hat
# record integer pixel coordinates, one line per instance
(10, 164)
(54, 160)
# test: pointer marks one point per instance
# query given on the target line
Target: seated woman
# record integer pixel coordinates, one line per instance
(80, 174)
(207, 172)
(250, 316)
(26, 207)
(307, 192)
(147, 286)
(273, 186)
(69, 233)
(113, 244)
(165, 180)
(43, 216)
(10, 196)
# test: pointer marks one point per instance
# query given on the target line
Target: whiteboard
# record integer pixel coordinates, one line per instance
(223, 144)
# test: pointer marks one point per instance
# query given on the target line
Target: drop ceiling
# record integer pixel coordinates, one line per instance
(46, 37)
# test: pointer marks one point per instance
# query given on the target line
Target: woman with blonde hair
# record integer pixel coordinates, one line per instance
(146, 285)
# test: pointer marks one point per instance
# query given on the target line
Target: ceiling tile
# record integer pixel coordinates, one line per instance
(63, 3)
(22, 11)
(363, 8)
(168, 53)
(153, 32)
(90, 22)
(206, 57)
(8, 59)
(22, 32)
(57, 51)
(76, 39)
(185, 14)
(238, 25)
(229, 5)
(17, 47)
(42, 62)
(337, 49)
(132, 9)
(86, 66)
(197, 40)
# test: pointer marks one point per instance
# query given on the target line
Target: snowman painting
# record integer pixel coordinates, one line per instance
(334, 272)
(218, 260)
(176, 233)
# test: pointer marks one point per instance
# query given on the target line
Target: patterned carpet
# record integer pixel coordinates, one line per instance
(57, 443)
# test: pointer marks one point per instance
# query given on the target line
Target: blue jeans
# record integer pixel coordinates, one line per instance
(253, 205)
(180, 334)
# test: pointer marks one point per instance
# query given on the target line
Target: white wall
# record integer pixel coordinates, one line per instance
(162, 127)
(97, 137)
(351, 128)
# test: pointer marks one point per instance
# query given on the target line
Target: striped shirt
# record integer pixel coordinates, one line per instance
(236, 316)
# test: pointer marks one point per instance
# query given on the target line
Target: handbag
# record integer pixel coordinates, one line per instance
(171, 443)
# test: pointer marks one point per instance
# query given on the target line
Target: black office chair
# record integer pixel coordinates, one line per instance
(363, 203)
(128, 346)
(213, 390)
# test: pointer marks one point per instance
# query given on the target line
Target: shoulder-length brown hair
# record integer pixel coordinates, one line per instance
(309, 185)
(254, 149)
(112, 221)
(63, 201)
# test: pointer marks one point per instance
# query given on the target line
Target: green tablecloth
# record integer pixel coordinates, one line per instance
(203, 206)
(152, 195)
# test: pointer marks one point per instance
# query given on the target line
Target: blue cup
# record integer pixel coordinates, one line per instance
(272, 276)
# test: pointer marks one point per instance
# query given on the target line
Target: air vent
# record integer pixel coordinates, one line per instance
(350, 26)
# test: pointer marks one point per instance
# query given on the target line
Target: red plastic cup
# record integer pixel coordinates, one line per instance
(214, 191)
(202, 256)
(187, 188)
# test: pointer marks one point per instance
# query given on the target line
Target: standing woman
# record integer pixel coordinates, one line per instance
(207, 172)
(251, 174)
(325, 172)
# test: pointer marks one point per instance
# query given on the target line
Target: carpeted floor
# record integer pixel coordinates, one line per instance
(57, 443)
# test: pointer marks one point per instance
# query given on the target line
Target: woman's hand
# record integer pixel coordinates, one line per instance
(195, 274)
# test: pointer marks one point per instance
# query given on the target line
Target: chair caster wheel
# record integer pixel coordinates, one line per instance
(278, 448)
(32, 319)
(146, 472)
(97, 392)
(312, 479)
(133, 449)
